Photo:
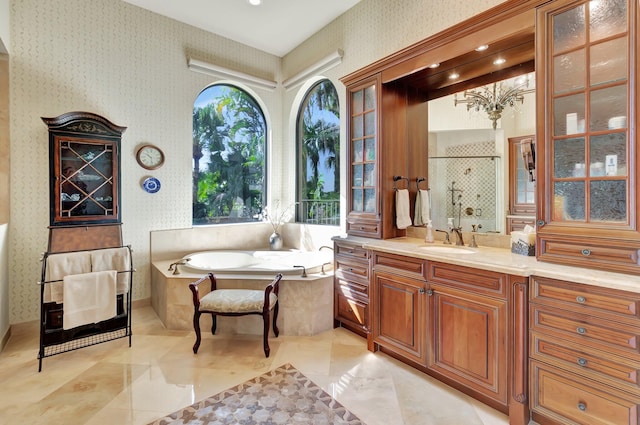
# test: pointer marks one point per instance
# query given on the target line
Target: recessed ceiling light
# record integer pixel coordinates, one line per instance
(255, 2)
(454, 76)
(434, 65)
(499, 61)
(482, 48)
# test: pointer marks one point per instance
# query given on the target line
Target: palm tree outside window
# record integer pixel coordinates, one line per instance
(318, 156)
(229, 140)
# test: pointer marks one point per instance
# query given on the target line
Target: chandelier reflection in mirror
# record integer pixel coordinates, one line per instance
(493, 99)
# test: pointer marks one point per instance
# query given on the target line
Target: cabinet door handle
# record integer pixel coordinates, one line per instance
(430, 292)
(582, 362)
(540, 223)
(422, 291)
(581, 331)
(582, 406)
(581, 299)
(586, 252)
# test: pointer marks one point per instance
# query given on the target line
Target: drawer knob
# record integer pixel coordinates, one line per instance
(422, 291)
(581, 331)
(430, 292)
(540, 223)
(586, 252)
(581, 299)
(582, 362)
(582, 406)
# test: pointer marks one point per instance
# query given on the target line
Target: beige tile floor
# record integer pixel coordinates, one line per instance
(111, 383)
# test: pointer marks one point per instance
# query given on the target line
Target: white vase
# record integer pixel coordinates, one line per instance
(275, 241)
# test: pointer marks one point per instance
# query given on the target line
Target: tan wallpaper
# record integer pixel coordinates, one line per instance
(116, 60)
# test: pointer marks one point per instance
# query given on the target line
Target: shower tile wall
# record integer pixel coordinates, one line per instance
(476, 177)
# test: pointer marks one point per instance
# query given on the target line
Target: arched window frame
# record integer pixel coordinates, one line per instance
(242, 209)
(314, 209)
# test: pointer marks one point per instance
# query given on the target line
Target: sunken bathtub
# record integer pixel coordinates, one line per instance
(306, 290)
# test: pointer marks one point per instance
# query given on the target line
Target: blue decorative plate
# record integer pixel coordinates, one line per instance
(151, 185)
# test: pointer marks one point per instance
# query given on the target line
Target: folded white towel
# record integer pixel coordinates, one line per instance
(89, 298)
(422, 213)
(61, 265)
(403, 219)
(113, 259)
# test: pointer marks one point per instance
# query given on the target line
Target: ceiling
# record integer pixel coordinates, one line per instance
(275, 26)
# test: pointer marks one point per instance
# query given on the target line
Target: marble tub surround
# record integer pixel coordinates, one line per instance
(176, 243)
(306, 304)
(504, 261)
(113, 384)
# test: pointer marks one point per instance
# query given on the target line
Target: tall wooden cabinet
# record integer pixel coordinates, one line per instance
(379, 150)
(586, 62)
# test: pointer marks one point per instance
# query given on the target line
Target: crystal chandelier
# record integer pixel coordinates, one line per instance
(493, 99)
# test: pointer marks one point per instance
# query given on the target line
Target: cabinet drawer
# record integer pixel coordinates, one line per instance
(587, 330)
(580, 359)
(369, 229)
(623, 258)
(353, 286)
(470, 279)
(351, 309)
(350, 250)
(566, 397)
(350, 269)
(398, 264)
(606, 303)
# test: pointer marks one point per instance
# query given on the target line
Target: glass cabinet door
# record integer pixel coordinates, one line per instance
(363, 150)
(85, 182)
(589, 137)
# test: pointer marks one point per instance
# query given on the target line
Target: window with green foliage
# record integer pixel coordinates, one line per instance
(318, 156)
(229, 139)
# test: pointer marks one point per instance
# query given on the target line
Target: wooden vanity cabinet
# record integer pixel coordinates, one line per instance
(468, 330)
(587, 159)
(351, 287)
(584, 354)
(381, 149)
(399, 306)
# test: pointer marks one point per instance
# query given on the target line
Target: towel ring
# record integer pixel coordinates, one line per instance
(396, 178)
(418, 180)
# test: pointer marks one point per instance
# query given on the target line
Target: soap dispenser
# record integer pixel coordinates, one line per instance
(429, 237)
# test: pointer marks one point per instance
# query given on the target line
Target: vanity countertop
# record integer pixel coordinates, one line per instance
(504, 261)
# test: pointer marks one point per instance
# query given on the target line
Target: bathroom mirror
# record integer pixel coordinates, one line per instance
(468, 158)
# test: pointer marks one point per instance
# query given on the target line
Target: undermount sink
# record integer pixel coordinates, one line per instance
(447, 249)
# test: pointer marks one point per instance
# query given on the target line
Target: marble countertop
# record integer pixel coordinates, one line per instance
(504, 261)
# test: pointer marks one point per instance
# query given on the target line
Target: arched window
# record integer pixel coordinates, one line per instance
(318, 156)
(229, 139)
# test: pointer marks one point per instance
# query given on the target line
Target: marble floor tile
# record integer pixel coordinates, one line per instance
(112, 383)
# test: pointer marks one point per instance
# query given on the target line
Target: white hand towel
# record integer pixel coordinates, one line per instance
(89, 298)
(113, 259)
(422, 213)
(403, 220)
(61, 265)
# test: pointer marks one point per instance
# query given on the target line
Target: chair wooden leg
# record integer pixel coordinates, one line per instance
(265, 318)
(276, 331)
(214, 324)
(196, 327)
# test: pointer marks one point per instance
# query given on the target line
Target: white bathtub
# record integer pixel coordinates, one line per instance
(257, 262)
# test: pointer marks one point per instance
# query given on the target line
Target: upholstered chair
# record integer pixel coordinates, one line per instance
(235, 302)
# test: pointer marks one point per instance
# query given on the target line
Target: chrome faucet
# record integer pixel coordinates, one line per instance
(458, 232)
(174, 266)
(322, 271)
(447, 241)
(325, 246)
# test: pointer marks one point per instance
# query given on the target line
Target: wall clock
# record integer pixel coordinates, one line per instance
(150, 157)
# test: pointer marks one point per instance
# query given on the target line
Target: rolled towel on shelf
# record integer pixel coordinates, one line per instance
(89, 298)
(403, 219)
(423, 208)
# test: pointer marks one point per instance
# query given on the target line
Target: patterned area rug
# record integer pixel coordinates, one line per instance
(281, 396)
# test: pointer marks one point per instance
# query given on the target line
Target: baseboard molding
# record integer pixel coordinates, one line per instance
(141, 303)
(5, 339)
